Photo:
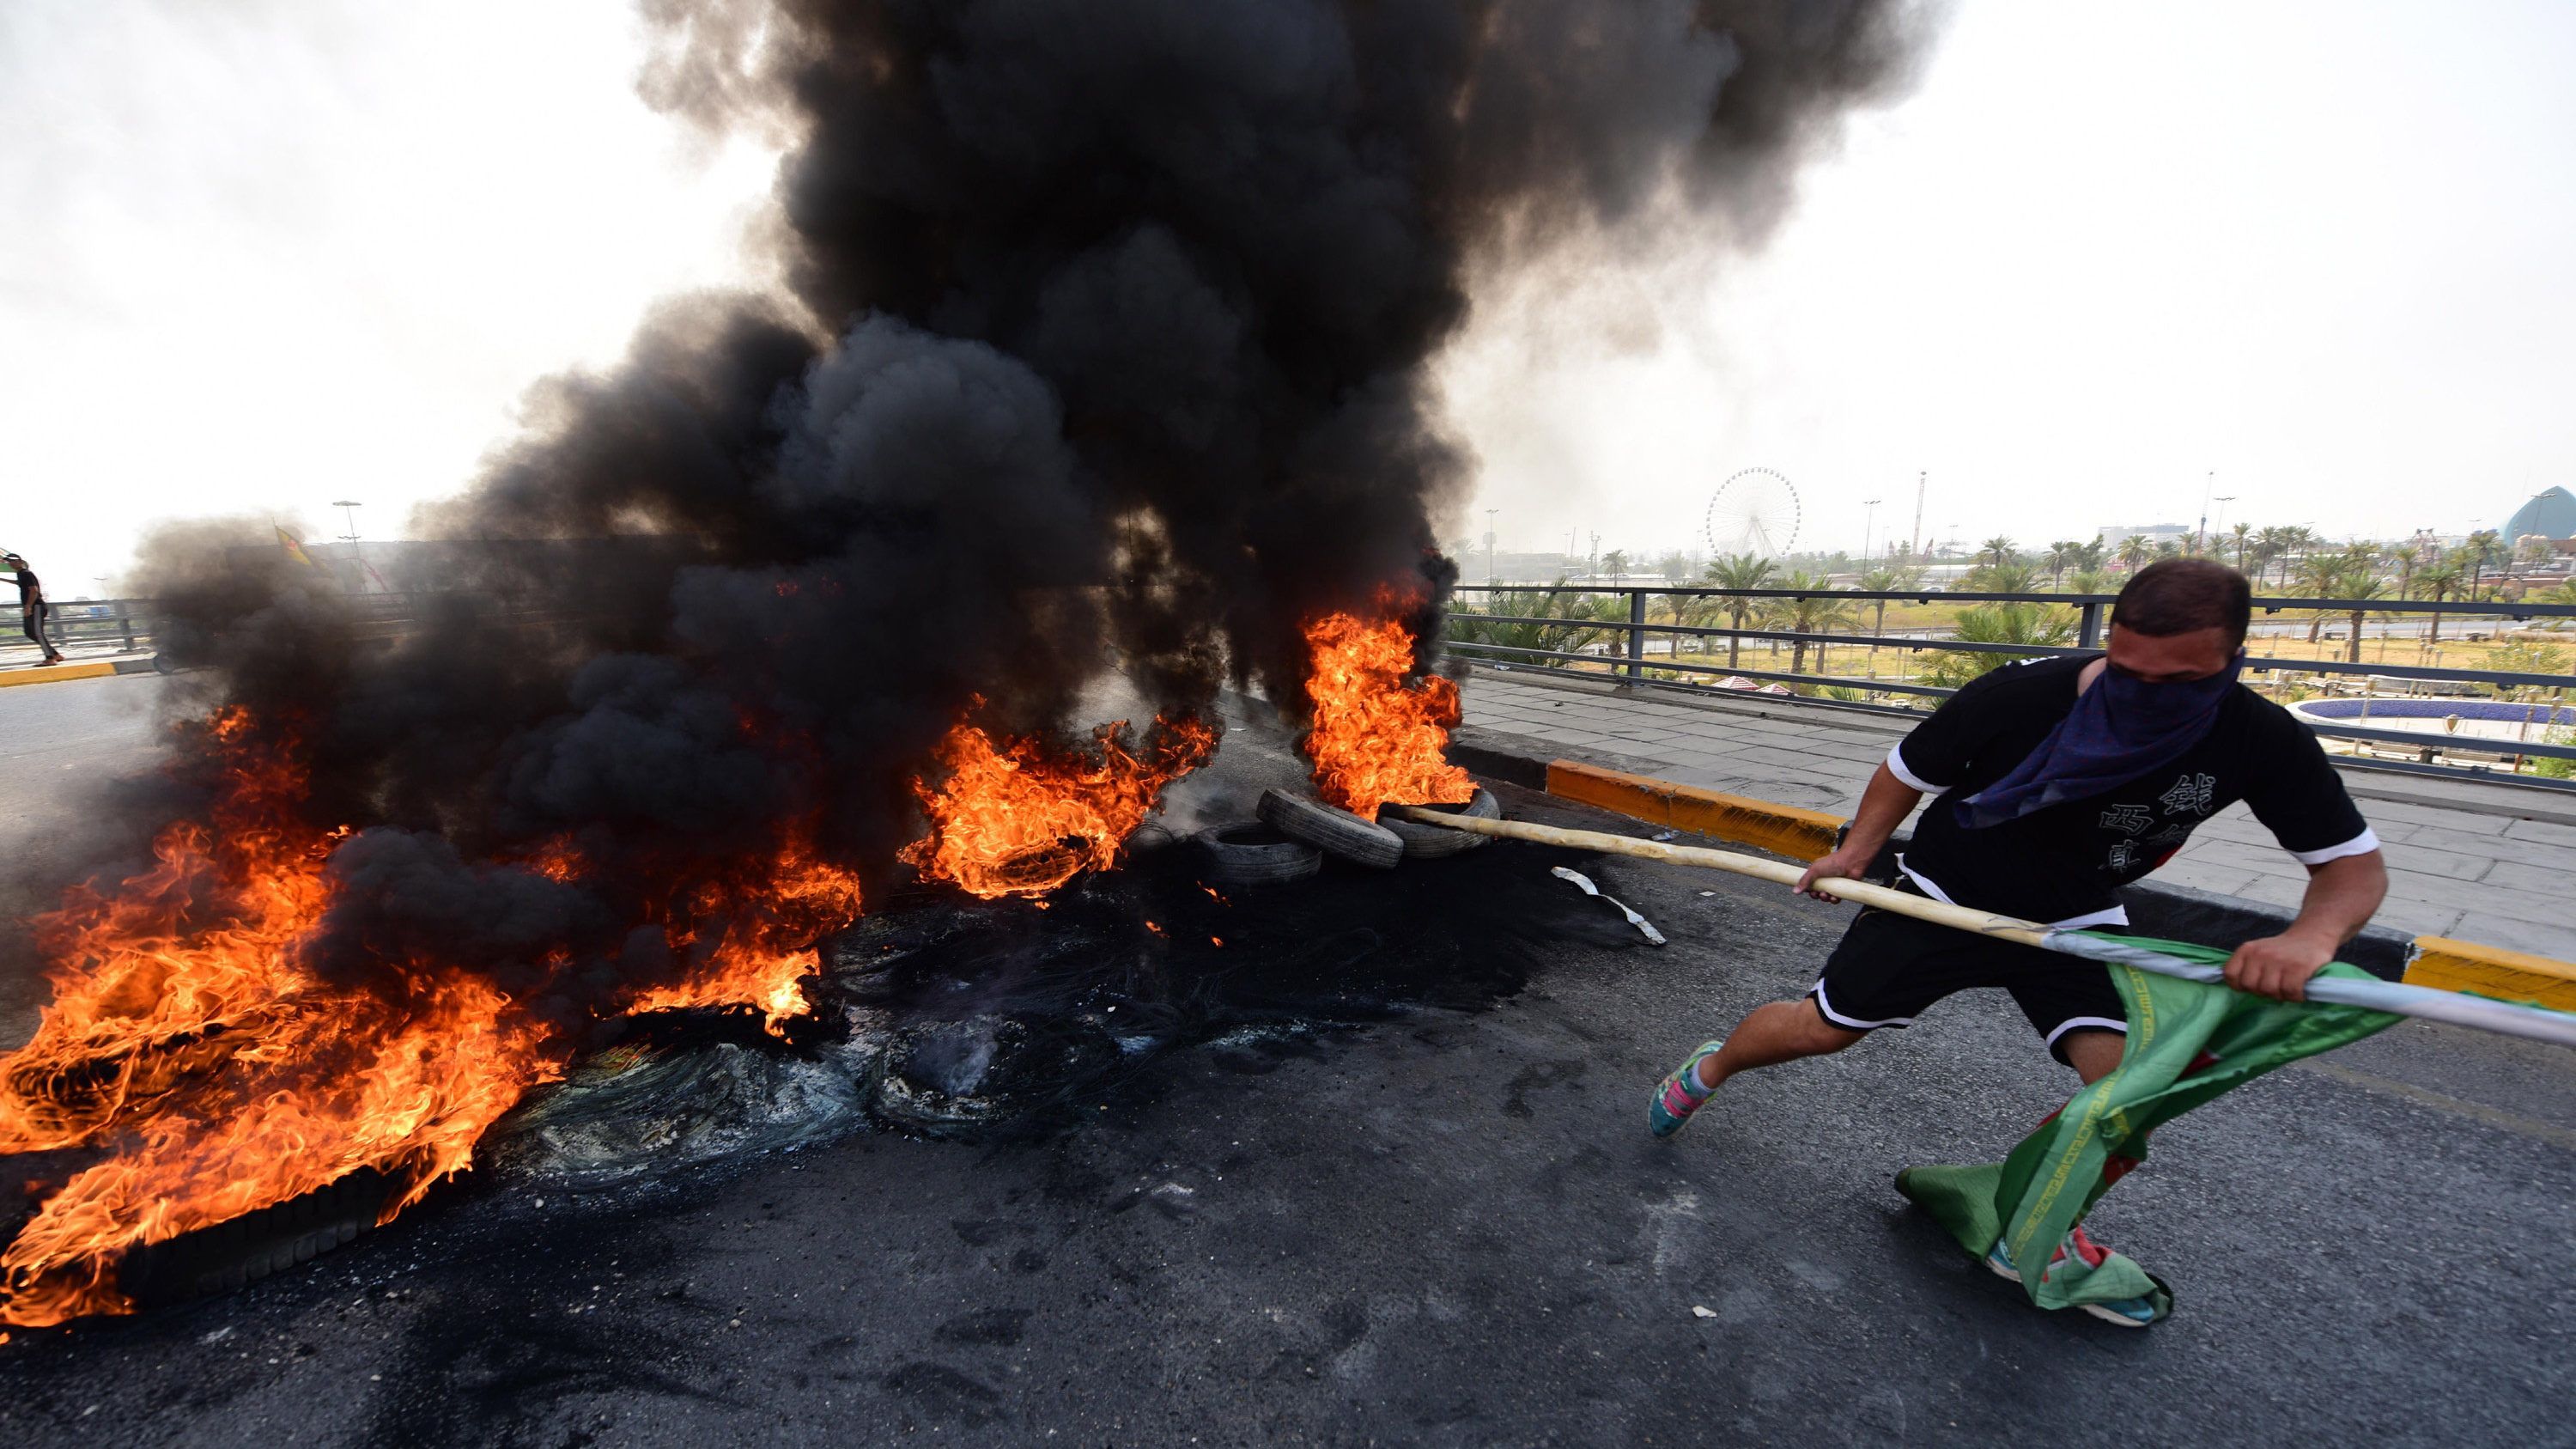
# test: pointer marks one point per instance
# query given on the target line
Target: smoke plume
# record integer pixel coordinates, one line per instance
(1102, 346)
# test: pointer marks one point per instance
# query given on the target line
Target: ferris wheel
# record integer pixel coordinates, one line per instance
(1754, 511)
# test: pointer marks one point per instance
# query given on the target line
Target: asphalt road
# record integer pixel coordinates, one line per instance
(59, 745)
(1450, 1228)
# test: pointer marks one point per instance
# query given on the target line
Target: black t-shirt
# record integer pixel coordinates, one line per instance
(2061, 864)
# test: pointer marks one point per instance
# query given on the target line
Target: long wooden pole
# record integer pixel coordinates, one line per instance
(2008, 928)
(2508, 1018)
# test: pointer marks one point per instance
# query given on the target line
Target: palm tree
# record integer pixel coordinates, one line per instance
(2062, 555)
(2358, 583)
(2039, 624)
(2092, 581)
(2303, 541)
(2135, 550)
(2438, 583)
(1687, 610)
(1879, 581)
(2241, 535)
(1615, 564)
(2271, 543)
(1813, 613)
(2003, 578)
(1577, 608)
(2484, 547)
(1997, 550)
(2320, 575)
(2402, 555)
(1742, 571)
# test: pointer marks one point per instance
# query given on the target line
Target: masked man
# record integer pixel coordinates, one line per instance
(2057, 782)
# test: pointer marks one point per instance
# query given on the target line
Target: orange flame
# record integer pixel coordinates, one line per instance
(213, 1075)
(1022, 821)
(329, 1086)
(182, 1031)
(221, 1078)
(764, 937)
(176, 970)
(1377, 736)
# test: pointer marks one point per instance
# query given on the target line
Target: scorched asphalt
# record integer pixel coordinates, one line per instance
(1449, 1227)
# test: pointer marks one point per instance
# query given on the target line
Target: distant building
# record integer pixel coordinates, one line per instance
(2551, 515)
(1523, 568)
(2116, 534)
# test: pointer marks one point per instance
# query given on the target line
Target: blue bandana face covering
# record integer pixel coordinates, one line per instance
(2121, 728)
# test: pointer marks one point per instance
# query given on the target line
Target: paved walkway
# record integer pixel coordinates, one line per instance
(2489, 863)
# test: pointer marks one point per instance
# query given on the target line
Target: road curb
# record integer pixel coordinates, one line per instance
(55, 673)
(2451, 965)
(1781, 829)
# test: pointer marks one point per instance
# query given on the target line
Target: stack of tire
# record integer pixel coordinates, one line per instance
(1294, 835)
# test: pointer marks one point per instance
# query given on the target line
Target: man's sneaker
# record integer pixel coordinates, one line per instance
(1680, 1094)
(2126, 1312)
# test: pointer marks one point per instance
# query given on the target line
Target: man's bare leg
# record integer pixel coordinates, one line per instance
(1780, 1032)
(1783, 1031)
(2093, 1054)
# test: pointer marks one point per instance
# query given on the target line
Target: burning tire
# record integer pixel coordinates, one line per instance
(240, 1251)
(1254, 854)
(1431, 842)
(1329, 829)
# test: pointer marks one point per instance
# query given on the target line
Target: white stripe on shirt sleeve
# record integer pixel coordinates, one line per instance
(2362, 844)
(1896, 767)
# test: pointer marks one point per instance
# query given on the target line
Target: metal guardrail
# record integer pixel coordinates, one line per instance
(118, 623)
(1630, 664)
(127, 622)
(124, 625)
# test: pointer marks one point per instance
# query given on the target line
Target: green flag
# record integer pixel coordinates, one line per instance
(2187, 1043)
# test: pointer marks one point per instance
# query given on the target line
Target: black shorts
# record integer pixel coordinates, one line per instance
(1890, 967)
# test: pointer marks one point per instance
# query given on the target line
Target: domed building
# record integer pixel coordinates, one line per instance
(2551, 515)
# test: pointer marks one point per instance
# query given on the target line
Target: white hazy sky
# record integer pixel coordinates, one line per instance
(262, 254)
(2325, 251)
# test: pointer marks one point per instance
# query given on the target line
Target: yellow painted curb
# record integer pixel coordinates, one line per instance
(49, 673)
(1781, 829)
(2491, 971)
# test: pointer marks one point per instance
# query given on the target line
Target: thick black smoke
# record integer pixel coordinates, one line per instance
(1104, 347)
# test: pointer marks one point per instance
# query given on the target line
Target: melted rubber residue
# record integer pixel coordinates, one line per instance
(960, 1019)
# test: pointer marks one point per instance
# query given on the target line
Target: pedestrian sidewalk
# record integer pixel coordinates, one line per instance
(2494, 864)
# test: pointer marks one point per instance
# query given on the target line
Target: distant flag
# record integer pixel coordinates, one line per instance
(294, 548)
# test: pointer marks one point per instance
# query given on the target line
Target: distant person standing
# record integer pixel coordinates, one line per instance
(32, 607)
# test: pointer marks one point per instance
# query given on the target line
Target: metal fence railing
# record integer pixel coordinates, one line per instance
(106, 627)
(1669, 638)
(1594, 632)
(82, 626)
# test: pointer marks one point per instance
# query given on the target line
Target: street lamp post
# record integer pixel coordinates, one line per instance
(1867, 520)
(1489, 546)
(349, 510)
